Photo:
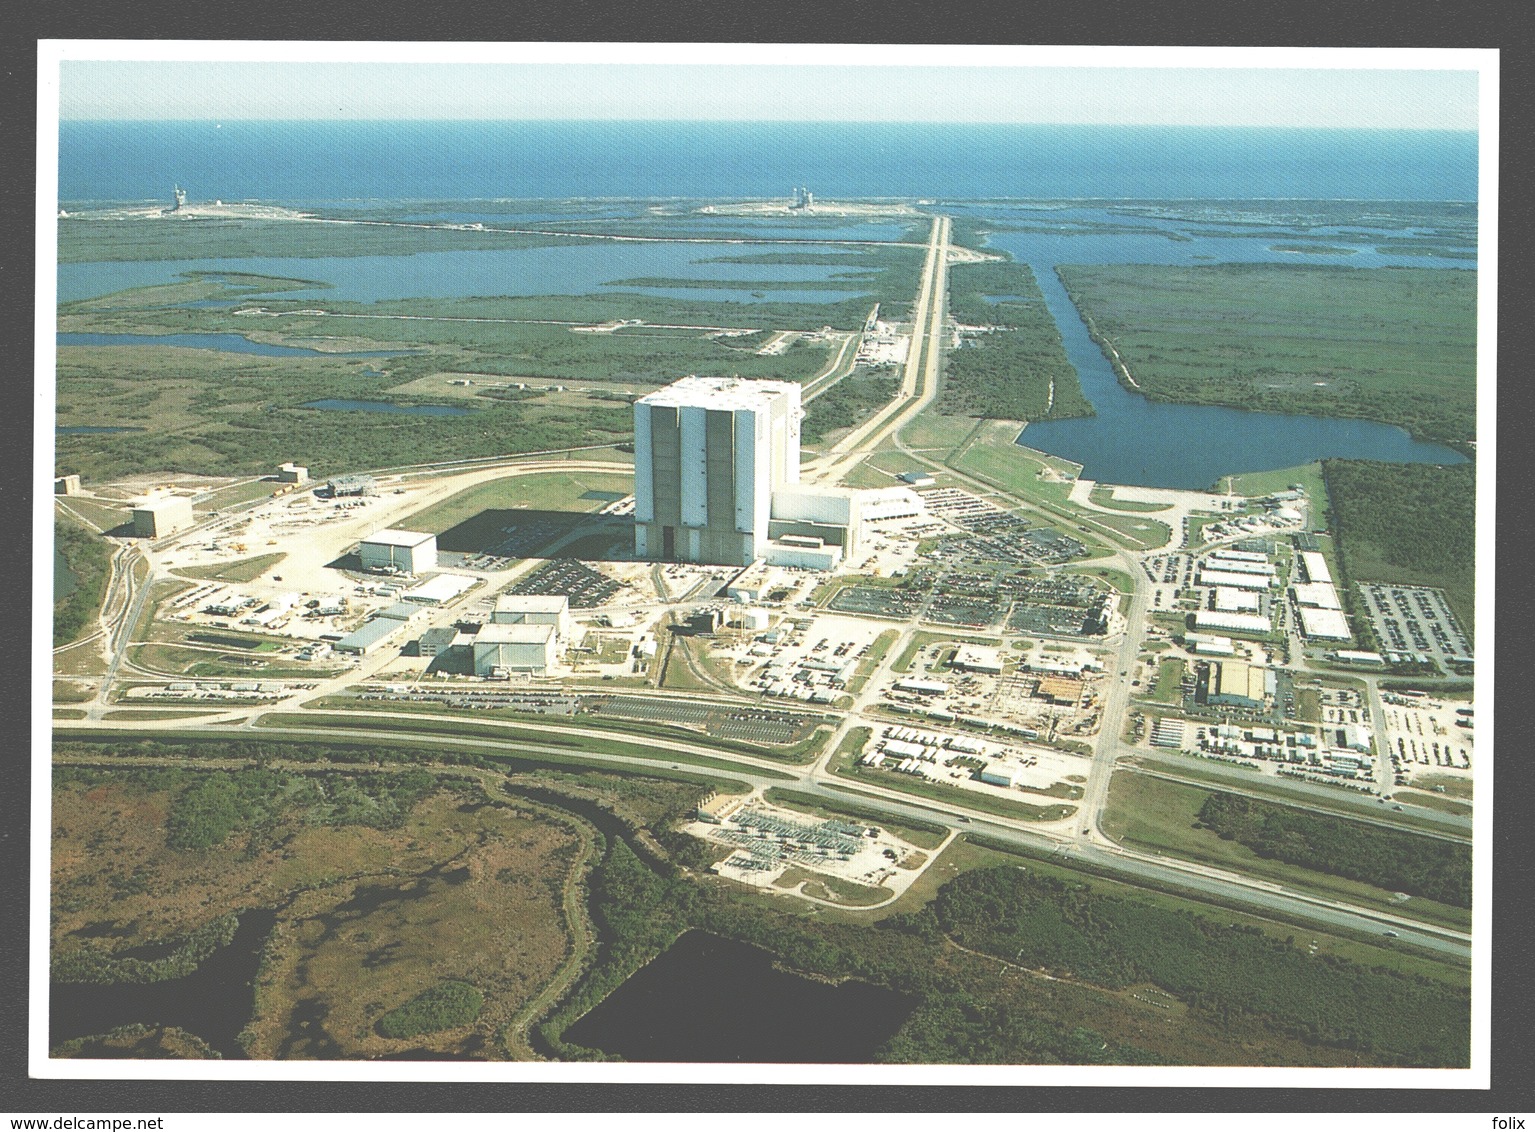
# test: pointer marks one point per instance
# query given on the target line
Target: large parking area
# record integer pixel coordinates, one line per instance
(1414, 620)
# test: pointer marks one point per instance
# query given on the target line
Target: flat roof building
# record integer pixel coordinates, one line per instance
(292, 473)
(514, 648)
(66, 485)
(1228, 599)
(162, 515)
(534, 609)
(369, 635)
(1315, 566)
(1236, 683)
(1212, 577)
(1319, 595)
(1323, 624)
(439, 590)
(397, 551)
(978, 658)
(1232, 622)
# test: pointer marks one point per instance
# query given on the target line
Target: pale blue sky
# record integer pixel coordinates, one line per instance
(1428, 99)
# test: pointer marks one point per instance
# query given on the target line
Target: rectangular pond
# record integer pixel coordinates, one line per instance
(707, 999)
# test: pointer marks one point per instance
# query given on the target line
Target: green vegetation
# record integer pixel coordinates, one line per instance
(1234, 973)
(443, 1007)
(1169, 686)
(1019, 371)
(245, 570)
(851, 401)
(1409, 523)
(184, 955)
(1389, 344)
(495, 502)
(1429, 867)
(88, 560)
(1162, 816)
(214, 806)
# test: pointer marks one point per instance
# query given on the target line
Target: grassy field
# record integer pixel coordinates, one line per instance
(1104, 497)
(1393, 344)
(1309, 476)
(542, 491)
(1161, 816)
(245, 570)
(1168, 688)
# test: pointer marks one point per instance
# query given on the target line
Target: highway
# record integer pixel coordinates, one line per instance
(1079, 839)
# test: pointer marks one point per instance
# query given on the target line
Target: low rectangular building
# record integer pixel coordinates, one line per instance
(1236, 683)
(1233, 580)
(1318, 595)
(1323, 624)
(439, 590)
(292, 473)
(1314, 566)
(1232, 622)
(161, 516)
(66, 485)
(1242, 566)
(369, 635)
(398, 551)
(978, 658)
(1229, 600)
(1060, 690)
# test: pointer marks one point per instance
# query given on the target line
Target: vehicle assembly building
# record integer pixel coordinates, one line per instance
(716, 480)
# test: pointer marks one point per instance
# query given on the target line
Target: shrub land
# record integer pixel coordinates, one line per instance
(1390, 344)
(87, 558)
(1432, 868)
(1018, 371)
(1413, 524)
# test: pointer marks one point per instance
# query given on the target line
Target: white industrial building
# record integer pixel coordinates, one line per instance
(162, 515)
(1319, 595)
(1211, 577)
(1323, 624)
(292, 473)
(716, 480)
(1231, 600)
(1239, 555)
(1315, 566)
(1205, 644)
(1232, 622)
(439, 590)
(978, 658)
(514, 648)
(396, 551)
(1241, 566)
(534, 609)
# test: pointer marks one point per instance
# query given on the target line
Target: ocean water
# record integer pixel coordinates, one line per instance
(323, 161)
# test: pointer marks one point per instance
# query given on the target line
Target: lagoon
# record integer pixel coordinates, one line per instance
(1134, 440)
(224, 343)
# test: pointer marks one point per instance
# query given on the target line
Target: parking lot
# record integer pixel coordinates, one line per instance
(566, 577)
(1414, 620)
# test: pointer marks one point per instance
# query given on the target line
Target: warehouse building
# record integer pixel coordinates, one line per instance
(161, 516)
(398, 552)
(535, 609)
(1217, 578)
(1235, 683)
(978, 658)
(292, 473)
(1323, 624)
(369, 635)
(1232, 622)
(1314, 566)
(439, 590)
(1318, 595)
(1209, 645)
(1241, 566)
(504, 649)
(1230, 600)
(66, 485)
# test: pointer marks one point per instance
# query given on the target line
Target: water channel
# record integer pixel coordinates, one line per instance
(1134, 440)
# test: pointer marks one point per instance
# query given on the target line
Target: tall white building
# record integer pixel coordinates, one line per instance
(709, 453)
